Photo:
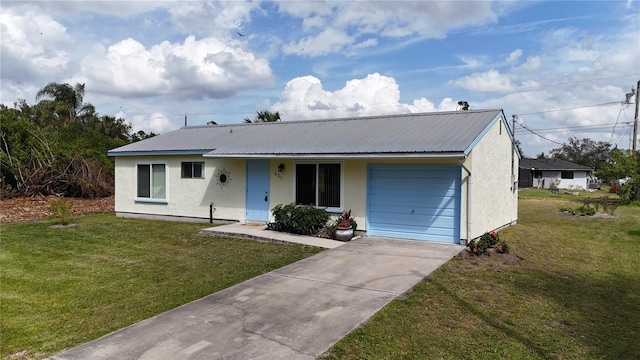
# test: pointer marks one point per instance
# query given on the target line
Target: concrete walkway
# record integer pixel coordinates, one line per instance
(259, 231)
(295, 312)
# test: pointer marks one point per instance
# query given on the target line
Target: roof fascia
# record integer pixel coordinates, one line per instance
(157, 152)
(499, 117)
(457, 155)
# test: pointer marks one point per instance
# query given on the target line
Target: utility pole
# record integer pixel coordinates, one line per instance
(635, 123)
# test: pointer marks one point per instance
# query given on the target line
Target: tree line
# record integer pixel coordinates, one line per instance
(59, 145)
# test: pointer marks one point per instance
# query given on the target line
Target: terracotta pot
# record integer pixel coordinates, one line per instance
(343, 234)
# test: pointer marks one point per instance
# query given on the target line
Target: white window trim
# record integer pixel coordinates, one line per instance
(166, 182)
(328, 209)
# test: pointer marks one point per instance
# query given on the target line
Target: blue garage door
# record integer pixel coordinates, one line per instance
(420, 202)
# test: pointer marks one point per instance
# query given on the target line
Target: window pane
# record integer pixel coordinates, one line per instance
(329, 185)
(159, 186)
(306, 184)
(567, 175)
(187, 170)
(144, 181)
(197, 170)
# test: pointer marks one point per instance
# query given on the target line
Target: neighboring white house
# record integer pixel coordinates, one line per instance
(549, 173)
(442, 176)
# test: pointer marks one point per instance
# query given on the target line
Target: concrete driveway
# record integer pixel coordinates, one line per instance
(296, 312)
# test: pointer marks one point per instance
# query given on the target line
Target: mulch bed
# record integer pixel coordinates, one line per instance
(37, 208)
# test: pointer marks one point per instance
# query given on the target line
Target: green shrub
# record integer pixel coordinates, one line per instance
(629, 193)
(61, 209)
(585, 210)
(486, 242)
(298, 219)
(608, 205)
(502, 247)
(490, 238)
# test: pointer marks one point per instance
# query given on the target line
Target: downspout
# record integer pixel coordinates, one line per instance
(468, 202)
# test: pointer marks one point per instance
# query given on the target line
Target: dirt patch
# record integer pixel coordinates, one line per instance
(37, 208)
(598, 215)
(507, 258)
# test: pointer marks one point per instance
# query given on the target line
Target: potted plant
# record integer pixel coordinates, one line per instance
(345, 228)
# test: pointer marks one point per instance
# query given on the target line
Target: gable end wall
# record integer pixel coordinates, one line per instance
(494, 196)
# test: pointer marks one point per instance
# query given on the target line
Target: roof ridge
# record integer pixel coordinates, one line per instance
(431, 113)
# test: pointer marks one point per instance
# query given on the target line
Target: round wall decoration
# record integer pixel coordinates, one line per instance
(222, 177)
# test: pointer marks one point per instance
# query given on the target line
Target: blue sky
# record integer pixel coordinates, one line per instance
(563, 67)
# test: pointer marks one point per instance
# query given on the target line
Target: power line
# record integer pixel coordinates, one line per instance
(579, 127)
(535, 133)
(616, 124)
(527, 88)
(573, 108)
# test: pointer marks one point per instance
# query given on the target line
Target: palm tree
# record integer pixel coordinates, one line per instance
(264, 116)
(67, 100)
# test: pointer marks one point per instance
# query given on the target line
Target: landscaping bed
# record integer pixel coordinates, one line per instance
(38, 208)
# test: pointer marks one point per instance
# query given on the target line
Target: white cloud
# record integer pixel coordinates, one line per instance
(328, 41)
(220, 18)
(195, 69)
(514, 56)
(354, 19)
(155, 122)
(32, 45)
(70, 8)
(366, 43)
(305, 98)
(491, 80)
(426, 18)
(533, 63)
(473, 61)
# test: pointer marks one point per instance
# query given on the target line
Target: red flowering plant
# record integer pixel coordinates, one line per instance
(346, 221)
(486, 243)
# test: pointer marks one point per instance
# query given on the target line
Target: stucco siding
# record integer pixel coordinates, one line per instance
(354, 182)
(494, 195)
(549, 177)
(185, 197)
(491, 184)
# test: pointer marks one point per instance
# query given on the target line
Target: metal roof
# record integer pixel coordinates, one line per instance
(551, 164)
(425, 134)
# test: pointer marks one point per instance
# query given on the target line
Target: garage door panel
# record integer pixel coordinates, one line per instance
(390, 180)
(418, 222)
(435, 201)
(400, 212)
(414, 201)
(415, 235)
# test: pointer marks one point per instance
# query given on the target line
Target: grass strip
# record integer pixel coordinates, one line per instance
(575, 294)
(61, 287)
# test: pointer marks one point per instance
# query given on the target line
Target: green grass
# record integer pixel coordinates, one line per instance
(533, 193)
(61, 287)
(574, 295)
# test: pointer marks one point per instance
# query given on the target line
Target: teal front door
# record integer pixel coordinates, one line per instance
(257, 201)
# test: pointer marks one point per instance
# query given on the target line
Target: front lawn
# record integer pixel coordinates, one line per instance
(61, 287)
(575, 294)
